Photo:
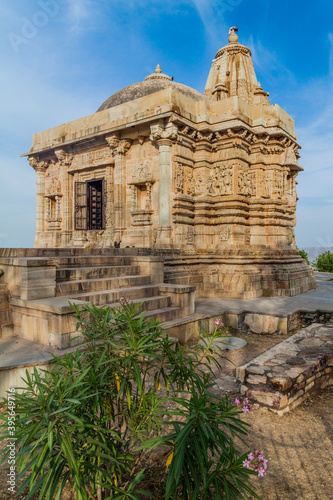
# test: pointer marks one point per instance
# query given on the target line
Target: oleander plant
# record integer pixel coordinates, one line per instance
(130, 410)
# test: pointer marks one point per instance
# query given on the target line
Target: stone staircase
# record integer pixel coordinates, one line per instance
(105, 285)
(44, 283)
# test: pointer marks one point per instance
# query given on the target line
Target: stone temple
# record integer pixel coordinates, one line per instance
(207, 181)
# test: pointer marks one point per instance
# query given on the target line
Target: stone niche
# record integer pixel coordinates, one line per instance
(206, 180)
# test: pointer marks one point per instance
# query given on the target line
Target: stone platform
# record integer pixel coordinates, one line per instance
(285, 375)
(267, 315)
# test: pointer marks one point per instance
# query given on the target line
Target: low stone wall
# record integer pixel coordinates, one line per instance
(285, 375)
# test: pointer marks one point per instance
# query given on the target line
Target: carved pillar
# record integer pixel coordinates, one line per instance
(65, 161)
(134, 197)
(109, 210)
(119, 149)
(164, 137)
(40, 169)
(148, 200)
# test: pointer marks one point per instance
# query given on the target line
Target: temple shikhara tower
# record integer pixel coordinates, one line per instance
(207, 181)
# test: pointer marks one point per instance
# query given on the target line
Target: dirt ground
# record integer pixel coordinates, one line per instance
(298, 445)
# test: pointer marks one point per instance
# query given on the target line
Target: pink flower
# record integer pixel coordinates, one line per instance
(256, 452)
(250, 456)
(264, 463)
(260, 456)
(246, 464)
(262, 473)
(218, 322)
(246, 401)
(122, 300)
(246, 409)
(237, 401)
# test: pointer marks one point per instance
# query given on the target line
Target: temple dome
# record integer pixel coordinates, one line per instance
(153, 83)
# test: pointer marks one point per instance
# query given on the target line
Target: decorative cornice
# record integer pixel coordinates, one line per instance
(231, 49)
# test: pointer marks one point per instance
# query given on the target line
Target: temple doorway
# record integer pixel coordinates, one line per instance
(89, 205)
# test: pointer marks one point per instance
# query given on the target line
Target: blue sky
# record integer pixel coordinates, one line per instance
(60, 59)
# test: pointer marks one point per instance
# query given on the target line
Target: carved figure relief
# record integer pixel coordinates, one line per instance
(179, 178)
(189, 181)
(226, 179)
(210, 183)
(143, 172)
(220, 181)
(244, 182)
(185, 183)
(53, 187)
(189, 235)
(198, 183)
(278, 184)
(268, 184)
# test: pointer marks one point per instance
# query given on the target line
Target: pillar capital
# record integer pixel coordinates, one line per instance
(163, 136)
(64, 158)
(118, 146)
(38, 166)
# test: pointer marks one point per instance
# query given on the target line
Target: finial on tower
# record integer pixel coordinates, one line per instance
(158, 69)
(233, 38)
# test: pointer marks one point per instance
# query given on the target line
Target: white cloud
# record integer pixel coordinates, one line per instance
(212, 14)
(79, 12)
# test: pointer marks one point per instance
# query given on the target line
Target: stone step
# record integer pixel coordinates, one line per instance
(100, 285)
(148, 303)
(92, 261)
(63, 252)
(112, 296)
(165, 314)
(87, 273)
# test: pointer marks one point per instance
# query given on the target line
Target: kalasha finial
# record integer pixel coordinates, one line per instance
(233, 38)
(158, 69)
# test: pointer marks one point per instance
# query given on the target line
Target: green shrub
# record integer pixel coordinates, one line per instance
(129, 398)
(304, 255)
(324, 262)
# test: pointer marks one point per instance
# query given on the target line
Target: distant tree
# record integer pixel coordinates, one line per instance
(324, 262)
(304, 255)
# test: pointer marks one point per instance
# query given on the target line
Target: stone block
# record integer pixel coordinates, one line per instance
(240, 373)
(281, 383)
(258, 370)
(256, 379)
(262, 323)
(268, 398)
(297, 395)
